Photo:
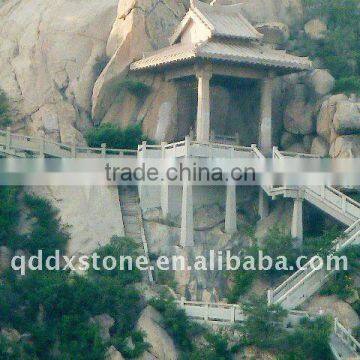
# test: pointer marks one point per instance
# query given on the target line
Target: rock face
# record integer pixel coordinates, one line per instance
(330, 305)
(140, 26)
(298, 117)
(82, 208)
(347, 118)
(50, 55)
(322, 81)
(162, 346)
(346, 146)
(113, 354)
(104, 322)
(276, 33)
(315, 29)
(289, 12)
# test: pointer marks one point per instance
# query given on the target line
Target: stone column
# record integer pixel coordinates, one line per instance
(203, 110)
(264, 206)
(230, 212)
(187, 215)
(164, 186)
(265, 136)
(297, 221)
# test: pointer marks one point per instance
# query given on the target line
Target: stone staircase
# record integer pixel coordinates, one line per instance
(132, 219)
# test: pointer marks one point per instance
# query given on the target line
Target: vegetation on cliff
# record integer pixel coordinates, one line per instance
(54, 308)
(339, 49)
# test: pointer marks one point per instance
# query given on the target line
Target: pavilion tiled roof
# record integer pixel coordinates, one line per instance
(222, 21)
(231, 51)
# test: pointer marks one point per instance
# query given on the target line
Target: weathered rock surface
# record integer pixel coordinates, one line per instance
(49, 52)
(289, 12)
(276, 33)
(319, 146)
(347, 118)
(330, 305)
(140, 26)
(322, 81)
(162, 346)
(315, 29)
(82, 208)
(105, 323)
(113, 354)
(325, 118)
(346, 146)
(10, 334)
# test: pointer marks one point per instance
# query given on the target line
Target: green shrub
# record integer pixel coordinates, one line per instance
(263, 324)
(339, 51)
(9, 214)
(55, 306)
(342, 283)
(184, 332)
(5, 118)
(47, 233)
(115, 137)
(134, 86)
(309, 341)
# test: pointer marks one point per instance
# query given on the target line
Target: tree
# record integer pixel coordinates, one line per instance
(5, 118)
(263, 325)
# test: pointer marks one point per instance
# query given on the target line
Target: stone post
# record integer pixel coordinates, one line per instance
(264, 206)
(203, 107)
(265, 136)
(8, 138)
(187, 215)
(41, 147)
(230, 212)
(73, 149)
(164, 185)
(297, 222)
(141, 156)
(103, 150)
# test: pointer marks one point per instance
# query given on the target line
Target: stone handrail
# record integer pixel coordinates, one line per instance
(229, 314)
(213, 312)
(290, 285)
(346, 337)
(42, 146)
(342, 202)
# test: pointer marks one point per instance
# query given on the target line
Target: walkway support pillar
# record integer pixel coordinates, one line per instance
(187, 206)
(203, 108)
(265, 136)
(164, 186)
(297, 222)
(187, 215)
(230, 212)
(264, 205)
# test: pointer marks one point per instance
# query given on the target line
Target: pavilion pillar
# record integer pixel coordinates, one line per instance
(297, 222)
(230, 212)
(265, 136)
(203, 109)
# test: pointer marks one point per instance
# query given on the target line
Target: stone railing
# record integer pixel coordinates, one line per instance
(346, 337)
(14, 143)
(335, 199)
(212, 312)
(193, 148)
(310, 278)
(230, 314)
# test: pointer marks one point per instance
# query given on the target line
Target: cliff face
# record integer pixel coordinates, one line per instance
(50, 54)
(62, 63)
